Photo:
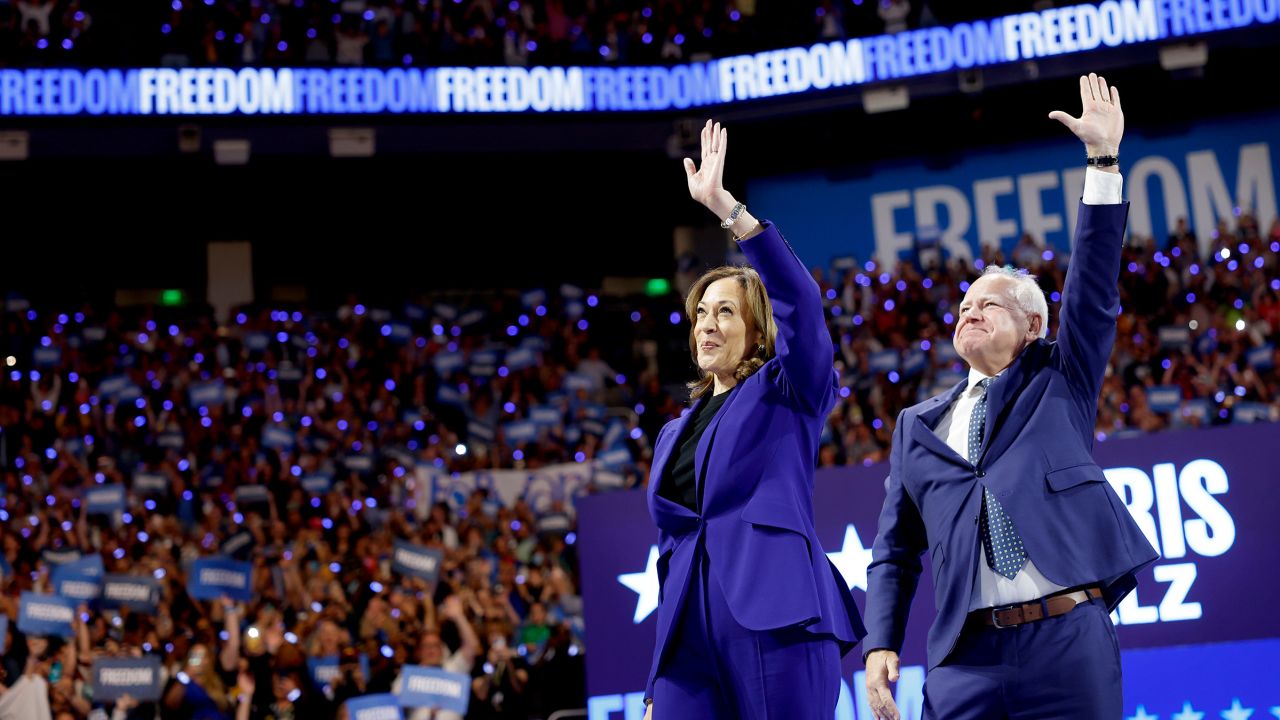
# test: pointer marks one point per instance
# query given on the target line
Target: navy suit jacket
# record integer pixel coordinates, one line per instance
(755, 464)
(1036, 458)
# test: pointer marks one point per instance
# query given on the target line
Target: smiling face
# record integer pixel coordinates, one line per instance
(993, 328)
(723, 331)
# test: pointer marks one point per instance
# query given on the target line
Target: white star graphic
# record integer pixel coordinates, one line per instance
(1235, 712)
(645, 585)
(1187, 713)
(1276, 711)
(1142, 714)
(852, 559)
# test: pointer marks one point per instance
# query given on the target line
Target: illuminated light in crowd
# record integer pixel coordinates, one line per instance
(375, 586)
(925, 345)
(385, 330)
(1194, 269)
(342, 425)
(143, 537)
(540, 310)
(34, 375)
(358, 310)
(247, 411)
(517, 455)
(149, 504)
(893, 376)
(571, 538)
(877, 424)
(327, 524)
(1240, 391)
(888, 304)
(139, 421)
(582, 324)
(1232, 265)
(306, 421)
(182, 467)
(964, 286)
(1166, 364)
(315, 502)
(1055, 296)
(291, 638)
(1239, 304)
(206, 422)
(512, 330)
(1240, 324)
(460, 449)
(1224, 253)
(580, 456)
(118, 554)
(187, 495)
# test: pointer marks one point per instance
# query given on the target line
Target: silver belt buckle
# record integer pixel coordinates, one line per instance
(995, 616)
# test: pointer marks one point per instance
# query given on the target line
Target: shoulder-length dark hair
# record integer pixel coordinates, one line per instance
(759, 316)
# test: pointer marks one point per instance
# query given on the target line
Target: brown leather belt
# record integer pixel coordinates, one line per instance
(1047, 607)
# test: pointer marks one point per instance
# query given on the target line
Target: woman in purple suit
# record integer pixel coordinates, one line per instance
(753, 618)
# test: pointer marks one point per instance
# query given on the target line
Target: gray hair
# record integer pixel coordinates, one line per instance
(1026, 292)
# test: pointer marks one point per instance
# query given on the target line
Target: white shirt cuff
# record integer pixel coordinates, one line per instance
(1102, 188)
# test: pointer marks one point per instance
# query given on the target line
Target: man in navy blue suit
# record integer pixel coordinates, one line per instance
(1030, 546)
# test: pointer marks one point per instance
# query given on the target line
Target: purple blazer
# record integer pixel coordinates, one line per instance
(757, 478)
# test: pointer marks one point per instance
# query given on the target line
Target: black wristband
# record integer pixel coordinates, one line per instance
(1102, 160)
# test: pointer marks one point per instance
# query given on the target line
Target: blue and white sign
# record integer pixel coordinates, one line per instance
(149, 483)
(317, 484)
(77, 586)
(136, 592)
(253, 495)
(139, 678)
(277, 438)
(416, 561)
(375, 707)
(212, 577)
(40, 614)
(103, 499)
(434, 688)
(324, 670)
(207, 394)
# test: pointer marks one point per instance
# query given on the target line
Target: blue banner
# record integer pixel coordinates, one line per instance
(77, 586)
(71, 561)
(1261, 358)
(252, 495)
(317, 484)
(136, 592)
(60, 557)
(1164, 398)
(40, 614)
(139, 678)
(46, 356)
(206, 394)
(277, 438)
(238, 546)
(884, 361)
(520, 431)
(434, 688)
(324, 670)
(374, 707)
(149, 483)
(103, 499)
(1204, 173)
(416, 561)
(212, 577)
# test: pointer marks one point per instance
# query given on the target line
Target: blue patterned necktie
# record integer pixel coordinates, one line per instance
(1000, 541)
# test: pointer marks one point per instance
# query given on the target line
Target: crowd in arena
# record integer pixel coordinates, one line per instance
(278, 33)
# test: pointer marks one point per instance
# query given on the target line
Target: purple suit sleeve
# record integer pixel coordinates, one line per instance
(803, 344)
